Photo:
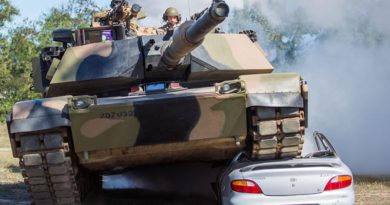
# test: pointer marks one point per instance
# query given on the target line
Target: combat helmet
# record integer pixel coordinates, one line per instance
(118, 2)
(171, 11)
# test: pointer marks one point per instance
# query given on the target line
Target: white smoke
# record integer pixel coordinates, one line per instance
(348, 71)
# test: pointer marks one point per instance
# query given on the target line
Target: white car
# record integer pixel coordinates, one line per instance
(319, 178)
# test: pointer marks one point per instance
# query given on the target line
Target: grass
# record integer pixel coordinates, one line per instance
(369, 190)
(372, 190)
(4, 140)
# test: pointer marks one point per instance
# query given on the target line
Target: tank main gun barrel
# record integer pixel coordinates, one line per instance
(191, 33)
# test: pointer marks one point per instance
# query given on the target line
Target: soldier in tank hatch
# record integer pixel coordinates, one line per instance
(172, 17)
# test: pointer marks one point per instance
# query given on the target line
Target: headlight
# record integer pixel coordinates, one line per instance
(230, 87)
(82, 102)
(226, 88)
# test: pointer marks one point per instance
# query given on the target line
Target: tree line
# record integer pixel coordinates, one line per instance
(21, 42)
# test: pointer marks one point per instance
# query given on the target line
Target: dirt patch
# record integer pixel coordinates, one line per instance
(12, 188)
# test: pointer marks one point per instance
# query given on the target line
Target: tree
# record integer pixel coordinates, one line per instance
(24, 42)
(285, 42)
(7, 12)
(75, 14)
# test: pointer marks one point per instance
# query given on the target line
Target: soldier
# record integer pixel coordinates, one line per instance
(120, 13)
(123, 13)
(172, 17)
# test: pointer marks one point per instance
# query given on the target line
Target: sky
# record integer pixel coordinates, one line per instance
(348, 72)
(34, 9)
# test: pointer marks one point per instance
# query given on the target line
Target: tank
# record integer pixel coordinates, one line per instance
(113, 102)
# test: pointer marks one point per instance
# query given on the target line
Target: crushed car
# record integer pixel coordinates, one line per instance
(317, 178)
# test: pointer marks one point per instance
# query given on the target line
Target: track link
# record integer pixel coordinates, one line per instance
(48, 170)
(277, 132)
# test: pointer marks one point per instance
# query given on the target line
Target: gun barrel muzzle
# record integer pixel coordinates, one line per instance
(206, 23)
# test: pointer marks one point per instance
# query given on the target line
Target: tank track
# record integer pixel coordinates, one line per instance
(49, 173)
(276, 132)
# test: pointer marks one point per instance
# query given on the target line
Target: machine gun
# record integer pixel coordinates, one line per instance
(116, 14)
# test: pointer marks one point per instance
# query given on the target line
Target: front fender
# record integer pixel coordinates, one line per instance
(39, 114)
(274, 90)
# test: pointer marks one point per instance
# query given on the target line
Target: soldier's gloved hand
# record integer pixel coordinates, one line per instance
(251, 34)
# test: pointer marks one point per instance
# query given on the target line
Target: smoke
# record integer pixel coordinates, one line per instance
(185, 179)
(346, 64)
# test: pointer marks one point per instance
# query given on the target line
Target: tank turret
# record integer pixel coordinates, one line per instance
(192, 33)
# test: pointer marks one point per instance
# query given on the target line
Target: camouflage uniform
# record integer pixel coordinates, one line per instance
(124, 16)
(167, 27)
(146, 31)
(100, 19)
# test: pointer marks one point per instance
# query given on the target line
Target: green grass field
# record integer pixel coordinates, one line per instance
(369, 190)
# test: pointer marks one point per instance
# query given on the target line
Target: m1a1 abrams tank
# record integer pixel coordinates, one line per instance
(113, 103)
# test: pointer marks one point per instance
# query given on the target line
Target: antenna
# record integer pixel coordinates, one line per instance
(189, 8)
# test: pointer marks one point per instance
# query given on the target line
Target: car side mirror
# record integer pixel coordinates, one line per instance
(64, 36)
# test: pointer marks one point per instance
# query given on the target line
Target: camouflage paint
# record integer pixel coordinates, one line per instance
(73, 57)
(39, 114)
(239, 53)
(239, 57)
(92, 66)
(52, 68)
(274, 90)
(98, 66)
(205, 150)
(157, 119)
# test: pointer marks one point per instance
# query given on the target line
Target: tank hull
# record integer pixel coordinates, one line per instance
(194, 124)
